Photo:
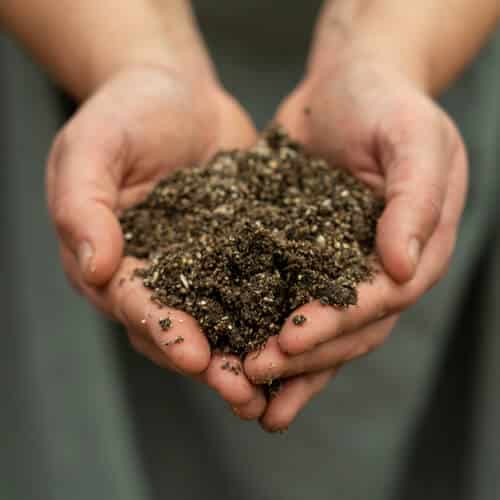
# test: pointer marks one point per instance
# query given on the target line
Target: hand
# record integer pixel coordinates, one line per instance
(136, 128)
(372, 120)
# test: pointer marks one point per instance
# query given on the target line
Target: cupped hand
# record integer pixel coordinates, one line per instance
(134, 130)
(370, 119)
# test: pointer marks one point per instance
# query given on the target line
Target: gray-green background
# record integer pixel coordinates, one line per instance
(82, 417)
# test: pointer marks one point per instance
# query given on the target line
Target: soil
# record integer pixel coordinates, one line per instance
(165, 324)
(241, 242)
(299, 320)
(232, 367)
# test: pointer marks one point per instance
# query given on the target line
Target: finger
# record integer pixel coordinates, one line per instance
(82, 187)
(383, 297)
(252, 410)
(272, 363)
(230, 137)
(179, 339)
(417, 173)
(262, 367)
(246, 401)
(226, 376)
(74, 275)
(292, 398)
(376, 300)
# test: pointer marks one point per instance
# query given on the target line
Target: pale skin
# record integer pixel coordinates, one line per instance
(149, 91)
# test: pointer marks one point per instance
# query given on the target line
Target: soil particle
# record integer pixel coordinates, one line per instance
(176, 341)
(299, 320)
(165, 324)
(234, 368)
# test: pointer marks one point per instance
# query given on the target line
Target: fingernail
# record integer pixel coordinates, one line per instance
(414, 249)
(86, 257)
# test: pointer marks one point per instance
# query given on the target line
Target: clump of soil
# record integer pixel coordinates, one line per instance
(243, 241)
(177, 340)
(299, 320)
(232, 367)
(165, 324)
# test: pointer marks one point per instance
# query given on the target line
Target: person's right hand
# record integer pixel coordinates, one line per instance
(370, 118)
(135, 129)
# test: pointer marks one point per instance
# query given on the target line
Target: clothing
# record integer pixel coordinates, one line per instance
(82, 416)
(62, 434)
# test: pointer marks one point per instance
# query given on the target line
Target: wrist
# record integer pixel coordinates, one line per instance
(189, 63)
(107, 38)
(83, 44)
(370, 48)
(427, 43)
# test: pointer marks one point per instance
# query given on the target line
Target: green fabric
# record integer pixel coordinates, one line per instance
(65, 432)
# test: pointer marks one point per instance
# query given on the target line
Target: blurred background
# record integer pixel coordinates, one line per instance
(82, 416)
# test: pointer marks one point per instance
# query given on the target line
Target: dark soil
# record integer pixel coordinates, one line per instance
(299, 320)
(165, 324)
(243, 241)
(232, 367)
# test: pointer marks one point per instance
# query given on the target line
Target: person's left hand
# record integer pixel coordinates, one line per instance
(372, 120)
(135, 129)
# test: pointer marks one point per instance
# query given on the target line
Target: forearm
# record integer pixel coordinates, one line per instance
(431, 41)
(84, 42)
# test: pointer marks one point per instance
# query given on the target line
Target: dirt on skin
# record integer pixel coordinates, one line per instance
(241, 242)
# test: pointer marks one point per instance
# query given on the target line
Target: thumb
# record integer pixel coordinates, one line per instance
(82, 195)
(416, 186)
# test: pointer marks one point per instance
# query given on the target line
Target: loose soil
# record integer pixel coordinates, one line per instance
(241, 242)
(299, 320)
